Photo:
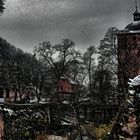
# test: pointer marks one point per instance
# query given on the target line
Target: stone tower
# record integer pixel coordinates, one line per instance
(129, 52)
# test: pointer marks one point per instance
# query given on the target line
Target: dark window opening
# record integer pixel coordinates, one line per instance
(1, 92)
(73, 88)
(61, 88)
(7, 92)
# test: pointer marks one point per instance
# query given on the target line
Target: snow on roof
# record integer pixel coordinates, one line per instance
(135, 81)
(134, 31)
(42, 101)
(72, 81)
(69, 79)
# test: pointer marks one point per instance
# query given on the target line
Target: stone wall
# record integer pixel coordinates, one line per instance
(128, 58)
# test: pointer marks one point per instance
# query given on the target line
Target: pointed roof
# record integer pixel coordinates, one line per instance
(135, 25)
(136, 6)
(136, 12)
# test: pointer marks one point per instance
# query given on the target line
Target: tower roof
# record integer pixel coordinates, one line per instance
(135, 25)
(136, 13)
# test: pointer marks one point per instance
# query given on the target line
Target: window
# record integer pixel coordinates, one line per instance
(1, 92)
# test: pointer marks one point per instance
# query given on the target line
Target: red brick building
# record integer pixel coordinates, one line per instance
(129, 52)
(66, 86)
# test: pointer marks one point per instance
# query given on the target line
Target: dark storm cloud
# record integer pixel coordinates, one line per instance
(26, 23)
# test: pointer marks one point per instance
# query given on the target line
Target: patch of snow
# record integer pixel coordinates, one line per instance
(1, 100)
(65, 123)
(135, 81)
(131, 92)
(65, 102)
(33, 100)
(9, 111)
(53, 137)
(42, 101)
(134, 31)
(85, 99)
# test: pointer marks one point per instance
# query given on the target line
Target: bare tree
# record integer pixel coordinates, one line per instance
(108, 50)
(58, 56)
(89, 62)
(40, 72)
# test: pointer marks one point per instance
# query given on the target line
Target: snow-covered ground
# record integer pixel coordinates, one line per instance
(51, 137)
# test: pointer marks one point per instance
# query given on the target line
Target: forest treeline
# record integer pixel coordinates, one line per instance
(36, 74)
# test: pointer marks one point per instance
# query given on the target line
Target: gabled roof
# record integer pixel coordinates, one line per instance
(71, 81)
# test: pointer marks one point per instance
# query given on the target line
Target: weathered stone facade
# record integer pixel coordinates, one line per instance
(128, 58)
(129, 52)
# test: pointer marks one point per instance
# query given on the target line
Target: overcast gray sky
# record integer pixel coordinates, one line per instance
(25, 23)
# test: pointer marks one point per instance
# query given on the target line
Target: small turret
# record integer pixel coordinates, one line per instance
(136, 13)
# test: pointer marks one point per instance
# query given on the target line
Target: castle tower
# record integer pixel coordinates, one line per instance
(129, 52)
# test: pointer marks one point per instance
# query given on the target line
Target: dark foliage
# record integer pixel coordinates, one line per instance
(2, 3)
